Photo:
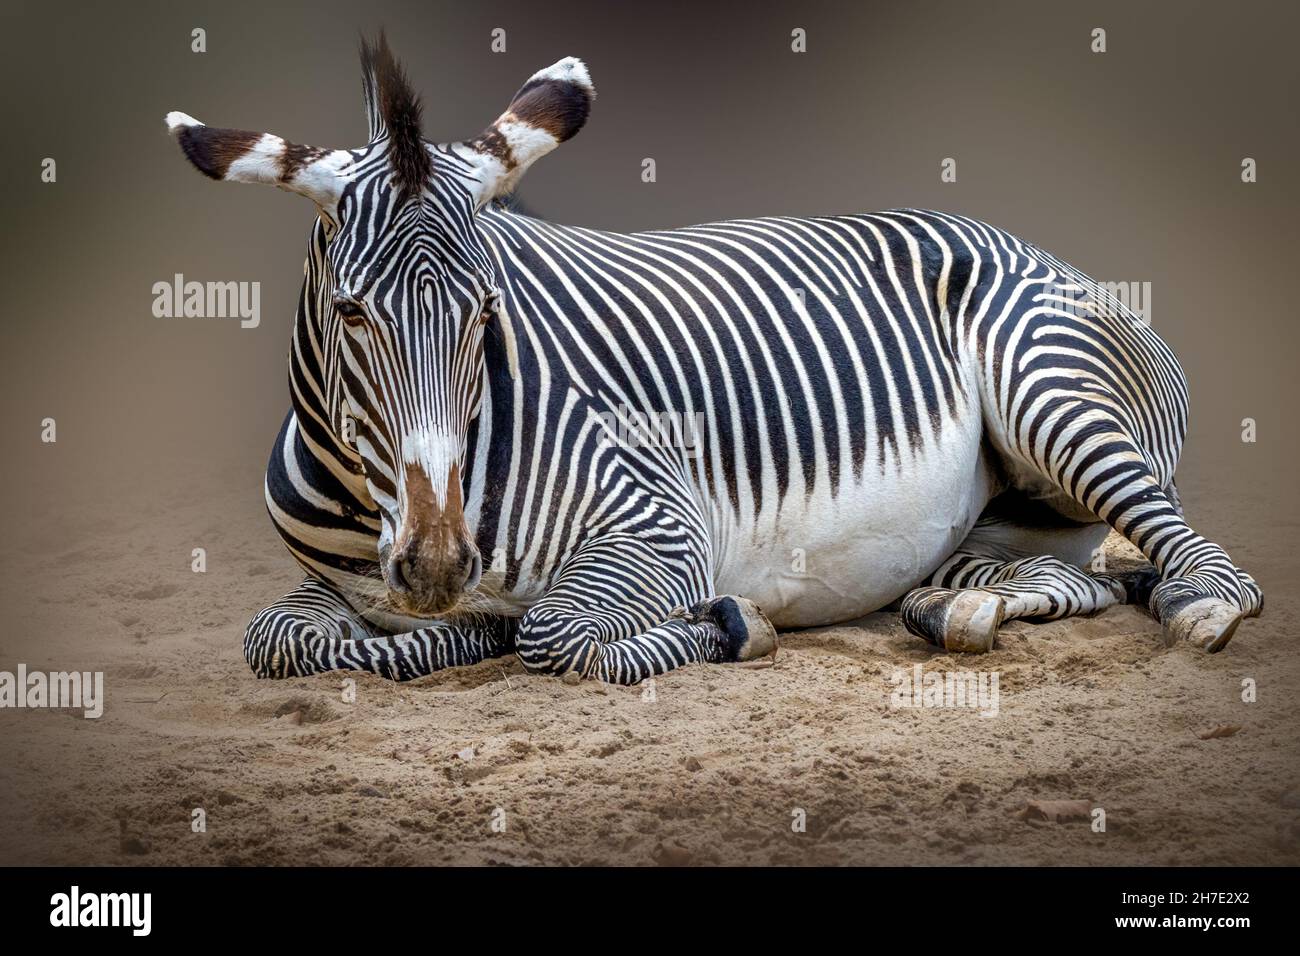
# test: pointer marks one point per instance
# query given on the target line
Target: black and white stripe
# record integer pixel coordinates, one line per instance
(907, 398)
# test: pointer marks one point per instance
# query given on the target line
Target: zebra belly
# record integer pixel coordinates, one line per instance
(823, 559)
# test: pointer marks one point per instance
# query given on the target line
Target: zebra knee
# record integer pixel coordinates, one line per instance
(279, 643)
(262, 651)
(559, 648)
(259, 645)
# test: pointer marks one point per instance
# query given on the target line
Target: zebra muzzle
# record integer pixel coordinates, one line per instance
(433, 561)
(424, 580)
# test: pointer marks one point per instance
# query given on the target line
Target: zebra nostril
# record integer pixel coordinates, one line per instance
(400, 574)
(475, 572)
(409, 573)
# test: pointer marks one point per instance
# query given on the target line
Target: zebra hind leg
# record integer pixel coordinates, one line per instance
(1202, 596)
(313, 629)
(982, 593)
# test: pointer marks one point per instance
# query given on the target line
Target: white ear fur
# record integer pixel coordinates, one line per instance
(548, 109)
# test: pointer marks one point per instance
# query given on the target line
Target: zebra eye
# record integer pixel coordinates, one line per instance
(349, 308)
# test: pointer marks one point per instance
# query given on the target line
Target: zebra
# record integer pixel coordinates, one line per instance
(927, 412)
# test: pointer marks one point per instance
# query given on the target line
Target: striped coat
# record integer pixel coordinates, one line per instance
(617, 454)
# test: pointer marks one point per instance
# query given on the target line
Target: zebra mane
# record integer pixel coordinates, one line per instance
(393, 110)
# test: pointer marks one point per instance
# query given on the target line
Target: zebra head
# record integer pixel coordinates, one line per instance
(400, 287)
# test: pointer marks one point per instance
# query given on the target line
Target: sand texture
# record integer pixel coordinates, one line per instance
(489, 765)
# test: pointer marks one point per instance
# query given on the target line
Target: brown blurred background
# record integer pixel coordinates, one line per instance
(1126, 164)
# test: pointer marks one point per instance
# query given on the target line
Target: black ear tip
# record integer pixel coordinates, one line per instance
(211, 151)
(560, 107)
(577, 109)
(196, 149)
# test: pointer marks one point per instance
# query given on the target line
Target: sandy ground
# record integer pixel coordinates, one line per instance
(489, 765)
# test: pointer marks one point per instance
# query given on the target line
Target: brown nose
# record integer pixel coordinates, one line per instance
(433, 561)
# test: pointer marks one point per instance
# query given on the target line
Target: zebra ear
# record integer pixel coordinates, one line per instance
(549, 109)
(236, 155)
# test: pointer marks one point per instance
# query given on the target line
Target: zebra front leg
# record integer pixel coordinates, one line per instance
(620, 613)
(973, 595)
(313, 629)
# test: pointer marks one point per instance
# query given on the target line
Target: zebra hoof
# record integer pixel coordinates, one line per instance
(973, 620)
(748, 636)
(958, 621)
(1206, 622)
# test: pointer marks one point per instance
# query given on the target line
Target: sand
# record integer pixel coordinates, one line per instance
(803, 763)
